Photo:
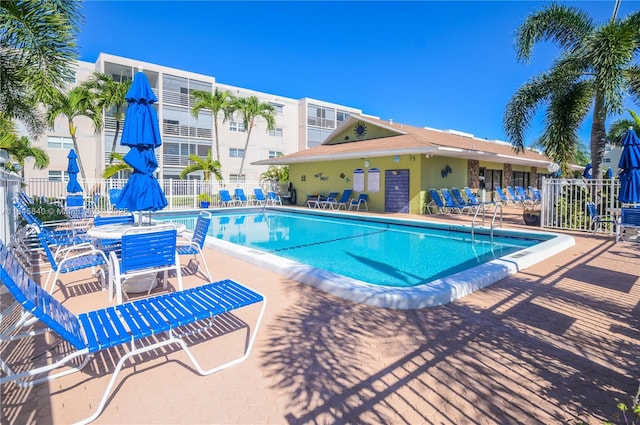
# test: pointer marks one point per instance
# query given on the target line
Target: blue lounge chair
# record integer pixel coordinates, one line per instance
(273, 198)
(515, 198)
(144, 327)
(225, 198)
(458, 198)
(241, 198)
(195, 245)
(502, 196)
(343, 202)
(451, 203)
(360, 202)
(437, 203)
(144, 252)
(472, 199)
(325, 201)
(259, 196)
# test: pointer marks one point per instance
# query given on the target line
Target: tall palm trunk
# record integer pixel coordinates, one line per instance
(598, 135)
(72, 131)
(115, 140)
(246, 145)
(215, 127)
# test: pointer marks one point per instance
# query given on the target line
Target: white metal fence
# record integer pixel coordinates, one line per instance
(9, 187)
(564, 201)
(180, 193)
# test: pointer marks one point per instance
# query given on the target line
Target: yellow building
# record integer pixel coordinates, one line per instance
(396, 164)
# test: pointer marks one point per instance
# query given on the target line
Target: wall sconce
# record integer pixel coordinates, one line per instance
(428, 156)
(366, 164)
(396, 158)
(303, 178)
(412, 158)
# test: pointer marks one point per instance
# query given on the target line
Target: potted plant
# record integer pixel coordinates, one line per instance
(531, 214)
(205, 200)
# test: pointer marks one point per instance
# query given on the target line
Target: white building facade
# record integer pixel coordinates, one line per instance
(299, 124)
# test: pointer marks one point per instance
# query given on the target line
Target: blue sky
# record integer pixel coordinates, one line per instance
(445, 65)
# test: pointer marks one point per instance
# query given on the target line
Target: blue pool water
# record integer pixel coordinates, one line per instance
(352, 252)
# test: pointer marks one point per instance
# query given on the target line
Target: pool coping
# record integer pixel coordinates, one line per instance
(431, 294)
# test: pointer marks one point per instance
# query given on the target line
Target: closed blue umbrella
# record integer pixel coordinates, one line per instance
(72, 169)
(609, 173)
(141, 133)
(630, 165)
(587, 171)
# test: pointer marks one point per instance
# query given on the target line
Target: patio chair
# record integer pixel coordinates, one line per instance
(472, 199)
(273, 198)
(71, 258)
(144, 252)
(325, 201)
(359, 202)
(596, 220)
(343, 202)
(225, 198)
(241, 198)
(515, 198)
(451, 203)
(629, 225)
(108, 245)
(259, 196)
(195, 245)
(436, 202)
(136, 330)
(114, 195)
(502, 196)
(458, 198)
(58, 233)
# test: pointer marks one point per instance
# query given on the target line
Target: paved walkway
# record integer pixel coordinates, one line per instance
(556, 343)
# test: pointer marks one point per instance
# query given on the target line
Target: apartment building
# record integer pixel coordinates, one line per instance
(300, 124)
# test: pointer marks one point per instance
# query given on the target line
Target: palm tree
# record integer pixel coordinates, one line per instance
(593, 72)
(116, 167)
(22, 149)
(79, 102)
(618, 129)
(110, 93)
(207, 165)
(216, 102)
(38, 46)
(249, 109)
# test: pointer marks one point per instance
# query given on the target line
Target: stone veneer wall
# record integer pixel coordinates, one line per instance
(533, 177)
(507, 176)
(473, 173)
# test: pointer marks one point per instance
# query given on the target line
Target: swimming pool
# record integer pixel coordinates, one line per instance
(381, 261)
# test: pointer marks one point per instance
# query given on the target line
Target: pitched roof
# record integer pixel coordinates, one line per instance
(404, 139)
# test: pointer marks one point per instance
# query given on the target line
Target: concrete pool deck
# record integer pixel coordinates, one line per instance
(555, 343)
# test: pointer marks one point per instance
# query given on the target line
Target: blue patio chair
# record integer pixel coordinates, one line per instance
(436, 202)
(68, 259)
(342, 202)
(502, 196)
(629, 225)
(472, 199)
(515, 198)
(360, 202)
(114, 195)
(108, 245)
(241, 198)
(195, 245)
(459, 199)
(225, 198)
(259, 196)
(273, 198)
(451, 203)
(135, 329)
(144, 252)
(324, 201)
(596, 220)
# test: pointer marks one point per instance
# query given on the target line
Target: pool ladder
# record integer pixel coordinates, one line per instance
(498, 207)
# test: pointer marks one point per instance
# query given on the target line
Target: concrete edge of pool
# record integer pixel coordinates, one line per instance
(430, 294)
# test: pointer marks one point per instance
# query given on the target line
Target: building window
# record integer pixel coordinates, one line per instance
(54, 142)
(236, 153)
(237, 178)
(58, 176)
(278, 107)
(236, 126)
(276, 132)
(607, 160)
(342, 116)
(520, 178)
(274, 154)
(321, 117)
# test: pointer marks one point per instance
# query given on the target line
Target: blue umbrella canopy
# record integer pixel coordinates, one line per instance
(630, 164)
(72, 169)
(141, 133)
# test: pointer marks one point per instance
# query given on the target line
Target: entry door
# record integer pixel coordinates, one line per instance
(396, 197)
